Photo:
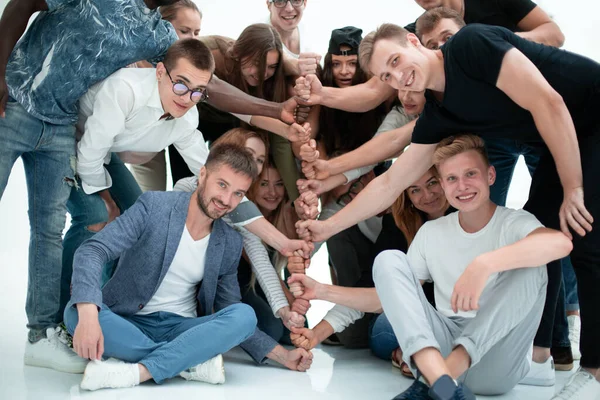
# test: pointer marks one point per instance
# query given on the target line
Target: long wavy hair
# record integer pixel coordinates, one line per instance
(253, 45)
(341, 130)
(408, 218)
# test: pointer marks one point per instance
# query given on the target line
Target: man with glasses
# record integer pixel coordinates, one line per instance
(134, 110)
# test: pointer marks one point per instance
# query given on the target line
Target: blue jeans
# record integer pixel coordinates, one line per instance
(570, 284)
(382, 339)
(89, 209)
(48, 153)
(166, 343)
(503, 155)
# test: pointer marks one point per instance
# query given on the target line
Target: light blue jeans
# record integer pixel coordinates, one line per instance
(48, 153)
(166, 343)
(89, 209)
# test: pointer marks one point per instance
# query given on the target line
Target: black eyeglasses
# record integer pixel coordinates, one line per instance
(355, 189)
(283, 3)
(180, 88)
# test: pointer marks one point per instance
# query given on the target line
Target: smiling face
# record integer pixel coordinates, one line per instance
(183, 72)
(466, 179)
(187, 23)
(427, 195)
(270, 191)
(220, 190)
(413, 102)
(343, 68)
(286, 18)
(257, 148)
(439, 35)
(250, 68)
(401, 67)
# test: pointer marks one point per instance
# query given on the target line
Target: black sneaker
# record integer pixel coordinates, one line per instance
(417, 391)
(563, 358)
(445, 388)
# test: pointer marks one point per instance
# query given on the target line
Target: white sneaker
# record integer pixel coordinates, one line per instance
(581, 386)
(53, 352)
(540, 374)
(110, 374)
(211, 371)
(574, 335)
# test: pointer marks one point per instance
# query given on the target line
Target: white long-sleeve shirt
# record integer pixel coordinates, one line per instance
(123, 113)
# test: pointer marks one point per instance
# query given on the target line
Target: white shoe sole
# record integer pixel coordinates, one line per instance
(538, 382)
(74, 368)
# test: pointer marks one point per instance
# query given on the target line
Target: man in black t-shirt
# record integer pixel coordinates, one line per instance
(490, 81)
(524, 17)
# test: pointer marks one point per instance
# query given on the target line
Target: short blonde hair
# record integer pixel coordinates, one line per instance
(385, 31)
(455, 145)
(430, 19)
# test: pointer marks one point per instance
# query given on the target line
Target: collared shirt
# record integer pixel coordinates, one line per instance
(76, 44)
(123, 113)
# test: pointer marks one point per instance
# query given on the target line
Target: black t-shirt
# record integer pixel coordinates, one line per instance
(473, 104)
(506, 13)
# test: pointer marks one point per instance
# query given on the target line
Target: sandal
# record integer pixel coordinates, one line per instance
(401, 365)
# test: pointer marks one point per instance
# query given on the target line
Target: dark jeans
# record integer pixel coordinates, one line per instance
(545, 199)
(352, 254)
(503, 155)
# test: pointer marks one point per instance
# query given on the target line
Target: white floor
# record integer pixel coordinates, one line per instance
(336, 373)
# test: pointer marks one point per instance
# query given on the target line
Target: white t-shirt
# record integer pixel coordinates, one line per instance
(177, 292)
(442, 250)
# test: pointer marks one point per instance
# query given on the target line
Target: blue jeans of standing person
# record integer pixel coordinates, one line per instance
(503, 155)
(166, 343)
(89, 209)
(48, 154)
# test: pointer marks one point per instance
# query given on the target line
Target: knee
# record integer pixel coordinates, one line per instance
(244, 316)
(96, 227)
(390, 261)
(382, 340)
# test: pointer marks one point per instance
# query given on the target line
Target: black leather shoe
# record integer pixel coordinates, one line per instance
(416, 391)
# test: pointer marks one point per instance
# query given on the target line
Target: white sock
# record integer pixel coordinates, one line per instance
(136, 373)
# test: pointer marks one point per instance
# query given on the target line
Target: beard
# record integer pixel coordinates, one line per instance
(204, 205)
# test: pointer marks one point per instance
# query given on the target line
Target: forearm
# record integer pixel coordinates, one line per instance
(270, 124)
(539, 248)
(288, 295)
(358, 98)
(555, 125)
(361, 299)
(548, 33)
(385, 189)
(228, 98)
(323, 330)
(383, 146)
(268, 233)
(12, 25)
(278, 354)
(331, 183)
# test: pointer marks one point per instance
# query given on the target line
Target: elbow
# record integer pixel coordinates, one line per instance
(562, 244)
(558, 38)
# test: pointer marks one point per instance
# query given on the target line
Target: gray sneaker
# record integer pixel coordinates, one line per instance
(581, 386)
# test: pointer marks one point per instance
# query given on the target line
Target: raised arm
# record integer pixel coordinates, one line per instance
(537, 26)
(357, 98)
(377, 196)
(382, 147)
(228, 98)
(525, 85)
(12, 25)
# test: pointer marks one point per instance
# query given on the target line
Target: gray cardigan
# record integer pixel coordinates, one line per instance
(145, 239)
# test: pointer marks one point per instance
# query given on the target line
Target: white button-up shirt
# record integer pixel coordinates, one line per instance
(123, 113)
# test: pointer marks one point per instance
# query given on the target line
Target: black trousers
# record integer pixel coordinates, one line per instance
(545, 199)
(352, 254)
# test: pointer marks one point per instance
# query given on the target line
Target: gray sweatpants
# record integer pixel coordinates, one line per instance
(499, 339)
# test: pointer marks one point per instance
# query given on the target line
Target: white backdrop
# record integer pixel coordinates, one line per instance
(578, 19)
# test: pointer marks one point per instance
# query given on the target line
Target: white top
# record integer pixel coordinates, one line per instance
(122, 113)
(177, 292)
(442, 250)
(303, 48)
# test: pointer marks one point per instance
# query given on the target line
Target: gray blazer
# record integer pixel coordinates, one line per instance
(145, 239)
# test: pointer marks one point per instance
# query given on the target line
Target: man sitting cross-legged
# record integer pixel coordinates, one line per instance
(489, 287)
(177, 263)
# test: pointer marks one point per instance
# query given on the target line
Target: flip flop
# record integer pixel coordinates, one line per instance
(401, 365)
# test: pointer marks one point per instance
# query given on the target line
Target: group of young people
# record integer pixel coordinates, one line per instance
(272, 155)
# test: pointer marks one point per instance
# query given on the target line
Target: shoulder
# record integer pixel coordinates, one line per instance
(512, 216)
(474, 35)
(232, 237)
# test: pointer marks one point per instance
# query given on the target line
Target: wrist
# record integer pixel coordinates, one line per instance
(87, 311)
(321, 291)
(283, 311)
